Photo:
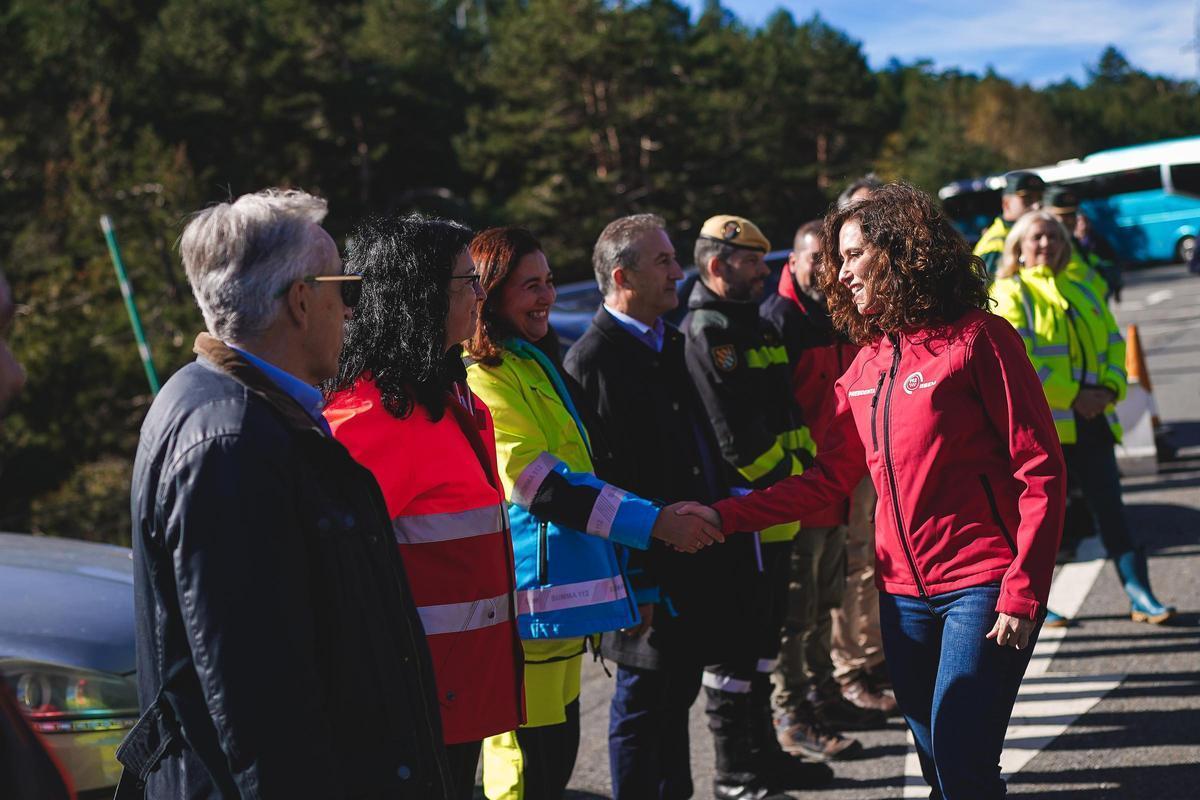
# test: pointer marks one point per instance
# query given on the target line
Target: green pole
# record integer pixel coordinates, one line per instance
(114, 250)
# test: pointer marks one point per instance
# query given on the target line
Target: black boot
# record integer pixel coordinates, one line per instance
(731, 722)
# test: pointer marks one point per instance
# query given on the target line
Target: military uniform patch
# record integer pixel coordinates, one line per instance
(725, 357)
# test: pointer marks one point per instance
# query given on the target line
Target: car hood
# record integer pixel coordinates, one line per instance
(66, 602)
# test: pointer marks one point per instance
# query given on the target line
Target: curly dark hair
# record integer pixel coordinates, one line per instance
(924, 273)
(496, 253)
(398, 332)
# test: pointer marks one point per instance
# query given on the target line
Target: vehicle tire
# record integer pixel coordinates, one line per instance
(1185, 249)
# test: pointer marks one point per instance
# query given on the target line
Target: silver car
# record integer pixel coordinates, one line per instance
(67, 649)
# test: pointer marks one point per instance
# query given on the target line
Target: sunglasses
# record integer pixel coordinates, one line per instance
(351, 286)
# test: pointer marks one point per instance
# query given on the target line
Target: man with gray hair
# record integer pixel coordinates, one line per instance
(279, 651)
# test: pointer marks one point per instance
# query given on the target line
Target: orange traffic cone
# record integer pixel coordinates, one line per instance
(1135, 361)
(1139, 373)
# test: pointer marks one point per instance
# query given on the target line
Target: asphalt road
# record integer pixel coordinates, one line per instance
(1115, 710)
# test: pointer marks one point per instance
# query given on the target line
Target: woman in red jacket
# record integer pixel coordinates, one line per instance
(944, 411)
(401, 406)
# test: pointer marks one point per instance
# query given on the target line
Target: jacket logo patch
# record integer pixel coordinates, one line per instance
(725, 357)
(916, 381)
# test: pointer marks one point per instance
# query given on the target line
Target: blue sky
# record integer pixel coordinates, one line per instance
(1037, 41)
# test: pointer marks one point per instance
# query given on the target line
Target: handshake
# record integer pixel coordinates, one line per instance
(688, 526)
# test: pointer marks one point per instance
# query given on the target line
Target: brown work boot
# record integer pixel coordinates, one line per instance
(862, 694)
(800, 734)
(835, 712)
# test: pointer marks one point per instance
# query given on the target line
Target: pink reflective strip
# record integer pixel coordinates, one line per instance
(427, 528)
(570, 595)
(604, 511)
(468, 616)
(530, 480)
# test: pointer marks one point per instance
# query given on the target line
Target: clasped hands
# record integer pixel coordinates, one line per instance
(1092, 400)
(688, 526)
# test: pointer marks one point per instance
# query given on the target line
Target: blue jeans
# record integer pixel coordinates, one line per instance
(648, 748)
(955, 688)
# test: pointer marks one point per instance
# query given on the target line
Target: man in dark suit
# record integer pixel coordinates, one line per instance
(694, 607)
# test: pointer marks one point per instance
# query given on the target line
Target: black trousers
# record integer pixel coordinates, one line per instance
(549, 753)
(464, 760)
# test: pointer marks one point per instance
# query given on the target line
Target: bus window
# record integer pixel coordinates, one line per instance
(1127, 182)
(1185, 178)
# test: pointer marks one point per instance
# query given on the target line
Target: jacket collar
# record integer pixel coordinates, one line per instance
(703, 297)
(233, 364)
(790, 289)
(617, 334)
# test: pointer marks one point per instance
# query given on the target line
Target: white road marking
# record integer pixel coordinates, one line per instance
(1161, 296)
(1048, 703)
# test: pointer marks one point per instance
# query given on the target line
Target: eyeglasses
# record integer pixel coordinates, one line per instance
(475, 279)
(351, 285)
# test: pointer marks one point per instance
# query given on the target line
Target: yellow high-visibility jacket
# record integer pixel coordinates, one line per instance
(990, 246)
(1071, 337)
(1081, 270)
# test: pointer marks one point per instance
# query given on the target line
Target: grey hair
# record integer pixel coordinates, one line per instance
(869, 181)
(1010, 260)
(239, 256)
(707, 249)
(617, 246)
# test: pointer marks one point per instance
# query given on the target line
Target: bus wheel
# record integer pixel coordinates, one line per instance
(1185, 249)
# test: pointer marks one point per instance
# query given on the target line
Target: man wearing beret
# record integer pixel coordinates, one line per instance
(1103, 278)
(741, 371)
(1022, 192)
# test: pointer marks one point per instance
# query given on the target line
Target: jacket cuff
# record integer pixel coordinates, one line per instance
(634, 520)
(727, 508)
(1015, 606)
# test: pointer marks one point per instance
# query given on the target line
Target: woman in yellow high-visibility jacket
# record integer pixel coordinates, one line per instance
(1075, 346)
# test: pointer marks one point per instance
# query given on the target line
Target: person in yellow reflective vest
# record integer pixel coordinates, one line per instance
(1022, 193)
(1083, 266)
(1075, 346)
(740, 367)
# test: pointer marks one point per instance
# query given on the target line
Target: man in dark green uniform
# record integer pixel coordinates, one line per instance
(1022, 192)
(741, 371)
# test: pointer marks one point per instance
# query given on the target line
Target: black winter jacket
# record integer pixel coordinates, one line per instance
(651, 418)
(279, 653)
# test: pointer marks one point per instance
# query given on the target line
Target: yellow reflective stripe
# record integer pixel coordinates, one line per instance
(780, 533)
(764, 463)
(761, 357)
(797, 439)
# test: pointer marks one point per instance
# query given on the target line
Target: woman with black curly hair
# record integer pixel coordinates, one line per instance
(944, 411)
(401, 406)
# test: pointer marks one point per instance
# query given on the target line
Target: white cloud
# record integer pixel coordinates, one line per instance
(1154, 35)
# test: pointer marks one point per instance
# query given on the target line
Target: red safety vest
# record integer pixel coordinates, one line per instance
(451, 524)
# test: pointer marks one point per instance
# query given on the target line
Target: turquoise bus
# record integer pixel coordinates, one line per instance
(1144, 199)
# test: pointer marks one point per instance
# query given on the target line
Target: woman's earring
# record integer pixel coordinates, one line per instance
(1021, 260)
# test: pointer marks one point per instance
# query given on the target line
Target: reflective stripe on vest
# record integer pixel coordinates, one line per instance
(724, 683)
(468, 616)
(544, 599)
(445, 527)
(530, 479)
(1062, 414)
(763, 357)
(767, 664)
(604, 511)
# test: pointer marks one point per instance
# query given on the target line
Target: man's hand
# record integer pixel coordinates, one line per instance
(685, 532)
(647, 612)
(706, 513)
(1013, 631)
(1091, 401)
